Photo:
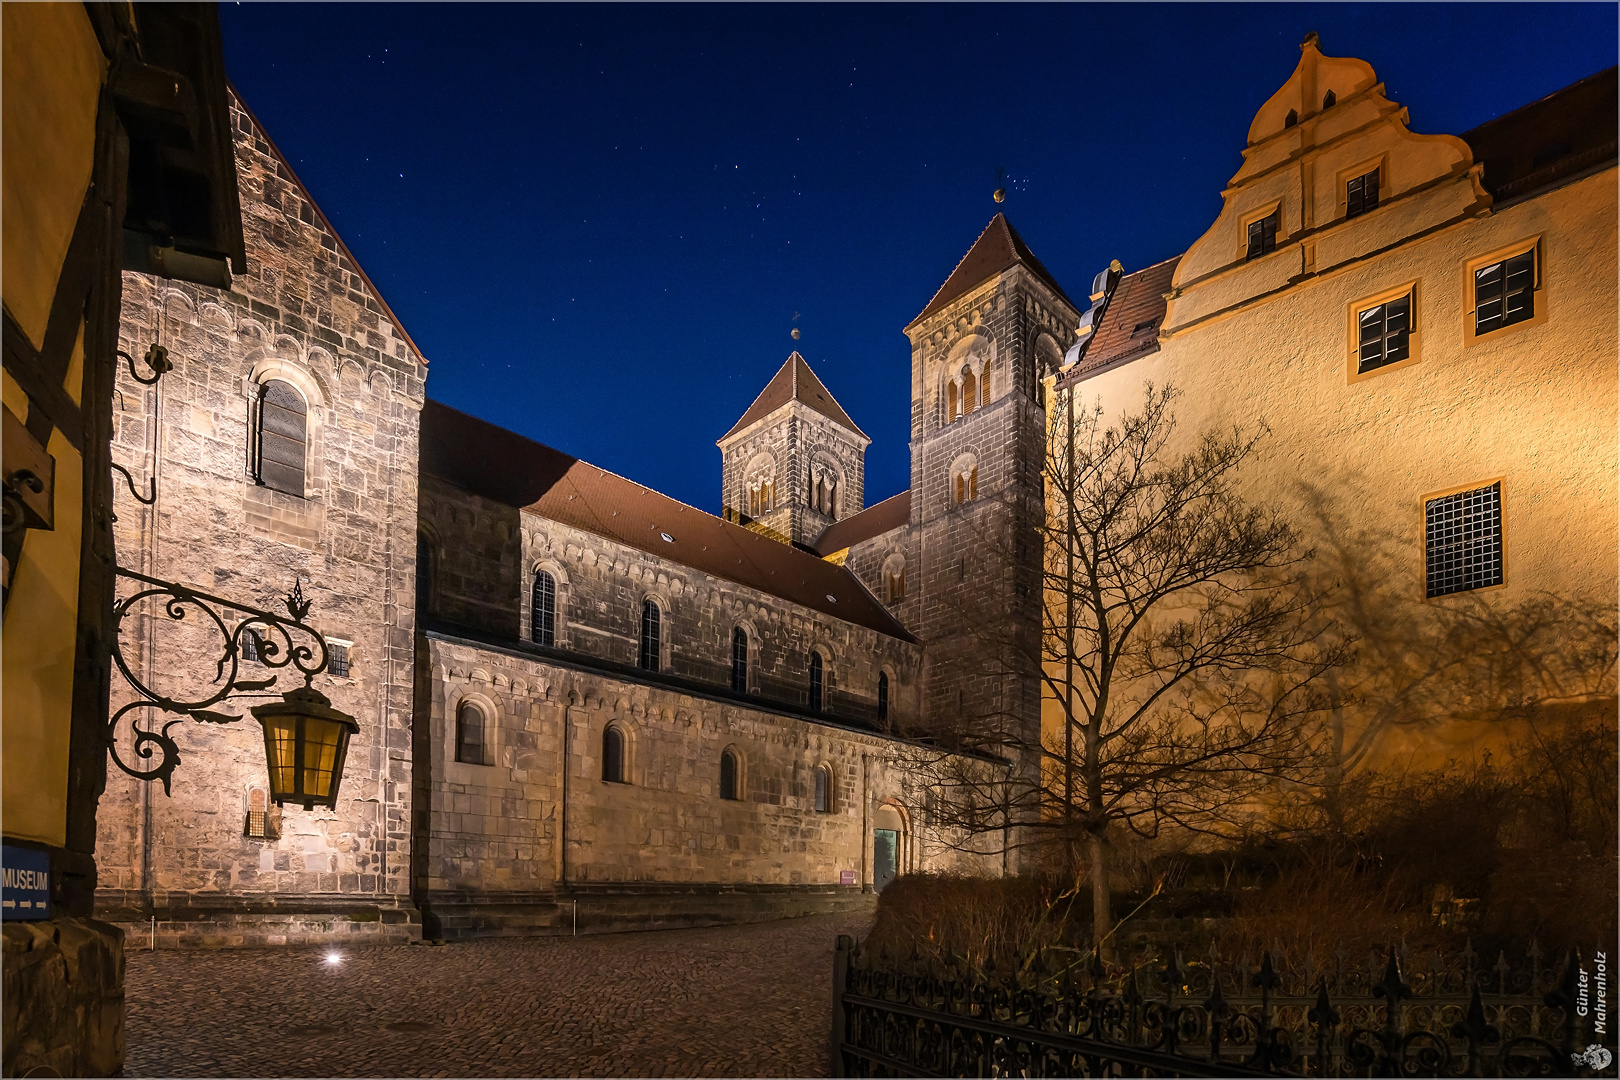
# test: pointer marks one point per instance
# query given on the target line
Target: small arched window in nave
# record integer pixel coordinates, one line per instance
(815, 682)
(728, 775)
(544, 617)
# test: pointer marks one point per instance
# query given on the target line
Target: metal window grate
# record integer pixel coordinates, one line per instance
(1263, 234)
(544, 618)
(1361, 194)
(1505, 293)
(1385, 334)
(1463, 540)
(337, 660)
(250, 645)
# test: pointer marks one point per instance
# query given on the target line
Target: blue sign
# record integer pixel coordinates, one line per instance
(25, 883)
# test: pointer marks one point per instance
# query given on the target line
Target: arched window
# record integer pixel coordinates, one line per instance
(894, 579)
(950, 401)
(472, 736)
(984, 387)
(883, 695)
(424, 573)
(967, 484)
(651, 635)
(823, 790)
(969, 392)
(739, 660)
(283, 438)
(728, 776)
(613, 755)
(815, 682)
(543, 624)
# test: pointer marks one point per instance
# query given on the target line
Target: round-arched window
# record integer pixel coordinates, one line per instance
(613, 755)
(728, 776)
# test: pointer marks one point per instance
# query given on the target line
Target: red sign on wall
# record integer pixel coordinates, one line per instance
(846, 877)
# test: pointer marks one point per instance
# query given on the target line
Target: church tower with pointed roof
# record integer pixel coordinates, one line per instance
(795, 462)
(979, 351)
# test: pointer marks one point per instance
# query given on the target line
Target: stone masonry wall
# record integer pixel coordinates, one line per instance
(495, 828)
(797, 437)
(302, 313)
(600, 588)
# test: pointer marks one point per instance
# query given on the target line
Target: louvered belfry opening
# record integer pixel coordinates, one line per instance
(283, 438)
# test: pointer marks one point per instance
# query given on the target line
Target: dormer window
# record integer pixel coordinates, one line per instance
(1361, 194)
(1263, 234)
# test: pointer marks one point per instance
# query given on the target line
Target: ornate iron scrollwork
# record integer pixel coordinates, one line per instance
(277, 640)
(156, 359)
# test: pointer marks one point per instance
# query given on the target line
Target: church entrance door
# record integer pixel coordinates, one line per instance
(885, 842)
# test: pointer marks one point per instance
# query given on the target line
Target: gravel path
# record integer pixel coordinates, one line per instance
(750, 1000)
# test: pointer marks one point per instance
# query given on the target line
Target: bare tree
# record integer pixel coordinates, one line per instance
(1181, 668)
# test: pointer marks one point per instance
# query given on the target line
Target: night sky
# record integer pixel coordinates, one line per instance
(600, 223)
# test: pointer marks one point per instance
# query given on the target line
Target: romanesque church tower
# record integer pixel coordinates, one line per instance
(979, 350)
(795, 463)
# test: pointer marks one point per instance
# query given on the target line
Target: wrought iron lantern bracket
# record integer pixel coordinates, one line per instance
(279, 641)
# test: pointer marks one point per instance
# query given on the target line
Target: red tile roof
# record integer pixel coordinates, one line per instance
(479, 457)
(998, 248)
(875, 520)
(794, 381)
(1130, 328)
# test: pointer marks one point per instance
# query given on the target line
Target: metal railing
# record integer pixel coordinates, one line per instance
(1170, 1018)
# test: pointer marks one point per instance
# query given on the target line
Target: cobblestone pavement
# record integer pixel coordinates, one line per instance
(750, 1000)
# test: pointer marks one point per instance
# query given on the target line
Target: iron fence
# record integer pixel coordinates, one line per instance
(1172, 1018)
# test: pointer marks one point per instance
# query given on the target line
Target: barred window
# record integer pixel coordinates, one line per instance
(472, 738)
(543, 619)
(1463, 540)
(1263, 234)
(651, 635)
(1505, 293)
(251, 649)
(815, 682)
(728, 775)
(883, 695)
(259, 825)
(337, 660)
(1361, 194)
(283, 436)
(739, 660)
(1384, 334)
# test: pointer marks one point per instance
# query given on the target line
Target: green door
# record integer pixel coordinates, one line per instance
(885, 842)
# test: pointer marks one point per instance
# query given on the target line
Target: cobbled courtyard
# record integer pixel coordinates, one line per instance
(750, 1000)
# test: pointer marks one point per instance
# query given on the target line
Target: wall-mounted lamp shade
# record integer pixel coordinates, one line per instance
(305, 742)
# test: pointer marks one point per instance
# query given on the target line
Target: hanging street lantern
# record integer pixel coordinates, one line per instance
(305, 742)
(305, 739)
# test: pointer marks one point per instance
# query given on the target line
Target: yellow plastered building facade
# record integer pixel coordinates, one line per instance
(52, 69)
(1353, 456)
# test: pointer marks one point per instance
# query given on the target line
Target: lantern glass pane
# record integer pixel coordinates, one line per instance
(321, 739)
(281, 736)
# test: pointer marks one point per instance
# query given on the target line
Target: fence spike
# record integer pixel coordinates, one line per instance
(1323, 1015)
(1391, 988)
(1267, 978)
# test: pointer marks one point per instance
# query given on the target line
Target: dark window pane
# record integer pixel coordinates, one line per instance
(1361, 194)
(1263, 235)
(337, 661)
(815, 682)
(822, 785)
(739, 660)
(651, 634)
(883, 696)
(1463, 541)
(1505, 293)
(471, 745)
(543, 630)
(728, 775)
(1384, 334)
(613, 755)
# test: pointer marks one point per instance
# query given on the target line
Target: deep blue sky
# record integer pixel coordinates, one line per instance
(600, 222)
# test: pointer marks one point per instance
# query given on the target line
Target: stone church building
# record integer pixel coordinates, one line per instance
(582, 701)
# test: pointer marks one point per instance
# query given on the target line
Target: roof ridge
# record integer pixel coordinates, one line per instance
(1012, 251)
